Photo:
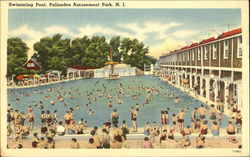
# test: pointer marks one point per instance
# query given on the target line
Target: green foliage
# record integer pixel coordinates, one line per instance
(53, 52)
(57, 53)
(16, 56)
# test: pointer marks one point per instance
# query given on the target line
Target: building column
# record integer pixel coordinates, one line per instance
(226, 92)
(195, 80)
(190, 81)
(79, 74)
(215, 85)
(207, 87)
(179, 79)
(201, 85)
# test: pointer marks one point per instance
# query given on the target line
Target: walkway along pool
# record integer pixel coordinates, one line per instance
(81, 88)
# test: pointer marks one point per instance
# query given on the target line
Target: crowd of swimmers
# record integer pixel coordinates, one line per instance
(204, 120)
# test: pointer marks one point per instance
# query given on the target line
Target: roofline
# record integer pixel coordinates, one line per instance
(216, 40)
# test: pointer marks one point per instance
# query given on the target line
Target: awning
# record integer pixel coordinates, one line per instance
(19, 77)
(36, 76)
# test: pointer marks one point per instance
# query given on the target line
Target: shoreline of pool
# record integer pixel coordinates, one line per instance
(44, 84)
(191, 93)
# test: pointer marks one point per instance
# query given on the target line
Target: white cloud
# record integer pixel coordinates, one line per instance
(33, 36)
(184, 33)
(165, 47)
(141, 31)
(58, 29)
(90, 30)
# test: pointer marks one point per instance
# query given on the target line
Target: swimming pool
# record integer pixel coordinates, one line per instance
(147, 113)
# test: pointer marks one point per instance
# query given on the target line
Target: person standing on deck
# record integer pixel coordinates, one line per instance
(163, 120)
(134, 118)
(194, 114)
(67, 119)
(114, 117)
(202, 112)
(212, 113)
(180, 120)
(31, 119)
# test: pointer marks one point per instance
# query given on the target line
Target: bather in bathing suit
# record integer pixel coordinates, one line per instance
(164, 120)
(180, 120)
(133, 117)
(67, 122)
(31, 119)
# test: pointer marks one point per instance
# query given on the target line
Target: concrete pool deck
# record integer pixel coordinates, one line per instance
(137, 144)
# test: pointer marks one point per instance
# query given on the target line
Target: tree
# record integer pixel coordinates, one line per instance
(53, 49)
(96, 53)
(57, 63)
(78, 50)
(16, 56)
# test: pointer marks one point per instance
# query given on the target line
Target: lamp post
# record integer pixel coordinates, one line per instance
(12, 79)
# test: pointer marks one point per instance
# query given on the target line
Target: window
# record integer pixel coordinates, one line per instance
(239, 50)
(30, 65)
(206, 53)
(199, 53)
(188, 55)
(183, 56)
(225, 56)
(214, 50)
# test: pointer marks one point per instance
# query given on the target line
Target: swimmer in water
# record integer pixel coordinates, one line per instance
(137, 106)
(177, 100)
(34, 103)
(91, 112)
(110, 105)
(77, 107)
(52, 102)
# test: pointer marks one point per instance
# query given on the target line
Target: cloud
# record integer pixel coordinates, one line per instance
(59, 29)
(91, 30)
(141, 31)
(33, 36)
(166, 46)
(184, 33)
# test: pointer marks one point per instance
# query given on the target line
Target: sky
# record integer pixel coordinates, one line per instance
(162, 30)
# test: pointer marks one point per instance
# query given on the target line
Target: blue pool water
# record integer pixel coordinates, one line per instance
(147, 113)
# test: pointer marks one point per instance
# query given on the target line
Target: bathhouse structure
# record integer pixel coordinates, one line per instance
(212, 67)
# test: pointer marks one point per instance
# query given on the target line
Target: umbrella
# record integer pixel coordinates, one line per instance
(41, 75)
(36, 76)
(47, 74)
(19, 77)
(25, 75)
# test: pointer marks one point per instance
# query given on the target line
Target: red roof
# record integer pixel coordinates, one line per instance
(223, 35)
(207, 40)
(185, 47)
(193, 45)
(79, 67)
(230, 33)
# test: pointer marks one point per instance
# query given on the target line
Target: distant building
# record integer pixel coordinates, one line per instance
(76, 70)
(212, 66)
(121, 69)
(32, 64)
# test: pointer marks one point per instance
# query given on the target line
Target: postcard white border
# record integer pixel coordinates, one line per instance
(243, 5)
